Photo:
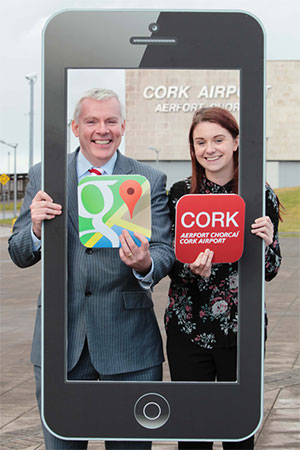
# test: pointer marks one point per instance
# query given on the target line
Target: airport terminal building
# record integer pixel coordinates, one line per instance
(160, 105)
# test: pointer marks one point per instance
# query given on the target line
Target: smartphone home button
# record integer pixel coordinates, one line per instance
(152, 411)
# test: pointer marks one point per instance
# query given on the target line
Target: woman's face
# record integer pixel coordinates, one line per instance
(214, 147)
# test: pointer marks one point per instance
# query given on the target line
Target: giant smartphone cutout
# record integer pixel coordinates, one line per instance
(188, 41)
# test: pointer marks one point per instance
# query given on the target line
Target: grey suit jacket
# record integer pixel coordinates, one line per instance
(117, 315)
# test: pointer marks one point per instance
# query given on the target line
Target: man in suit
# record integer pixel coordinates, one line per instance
(112, 330)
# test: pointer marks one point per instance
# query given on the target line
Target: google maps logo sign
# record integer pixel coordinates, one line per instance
(111, 203)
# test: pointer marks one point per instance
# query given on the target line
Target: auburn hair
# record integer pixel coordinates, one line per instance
(226, 120)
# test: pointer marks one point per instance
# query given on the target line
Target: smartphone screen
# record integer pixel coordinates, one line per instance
(163, 66)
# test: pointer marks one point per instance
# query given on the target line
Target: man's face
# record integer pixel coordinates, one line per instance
(100, 128)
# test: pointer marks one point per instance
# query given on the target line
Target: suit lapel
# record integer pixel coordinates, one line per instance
(72, 189)
(122, 165)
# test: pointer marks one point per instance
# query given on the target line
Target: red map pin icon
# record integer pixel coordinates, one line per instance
(130, 191)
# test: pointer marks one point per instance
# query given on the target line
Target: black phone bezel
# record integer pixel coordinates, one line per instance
(205, 40)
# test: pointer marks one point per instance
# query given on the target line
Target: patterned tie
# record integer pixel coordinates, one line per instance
(95, 171)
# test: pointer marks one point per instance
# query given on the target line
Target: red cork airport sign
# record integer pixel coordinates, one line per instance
(213, 221)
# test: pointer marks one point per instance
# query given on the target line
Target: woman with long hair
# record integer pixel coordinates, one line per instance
(202, 316)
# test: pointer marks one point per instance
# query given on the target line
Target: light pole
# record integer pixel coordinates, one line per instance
(156, 151)
(14, 146)
(32, 79)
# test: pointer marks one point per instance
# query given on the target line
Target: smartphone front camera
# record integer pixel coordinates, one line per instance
(153, 27)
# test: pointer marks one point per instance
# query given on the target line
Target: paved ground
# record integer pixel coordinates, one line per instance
(19, 419)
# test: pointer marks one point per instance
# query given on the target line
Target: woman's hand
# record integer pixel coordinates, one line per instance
(263, 228)
(202, 264)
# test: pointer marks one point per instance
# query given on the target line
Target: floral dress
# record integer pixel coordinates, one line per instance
(206, 309)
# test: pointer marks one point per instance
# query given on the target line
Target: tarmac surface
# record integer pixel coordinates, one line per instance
(19, 418)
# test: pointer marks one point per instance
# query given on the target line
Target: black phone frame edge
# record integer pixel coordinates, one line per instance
(46, 232)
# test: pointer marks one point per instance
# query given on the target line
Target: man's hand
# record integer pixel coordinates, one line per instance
(202, 264)
(138, 258)
(42, 208)
(263, 227)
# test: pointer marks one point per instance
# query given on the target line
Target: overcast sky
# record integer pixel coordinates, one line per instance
(21, 25)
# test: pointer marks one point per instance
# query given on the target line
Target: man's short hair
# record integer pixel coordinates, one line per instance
(97, 94)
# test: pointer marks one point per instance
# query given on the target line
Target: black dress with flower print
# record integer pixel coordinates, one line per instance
(206, 309)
